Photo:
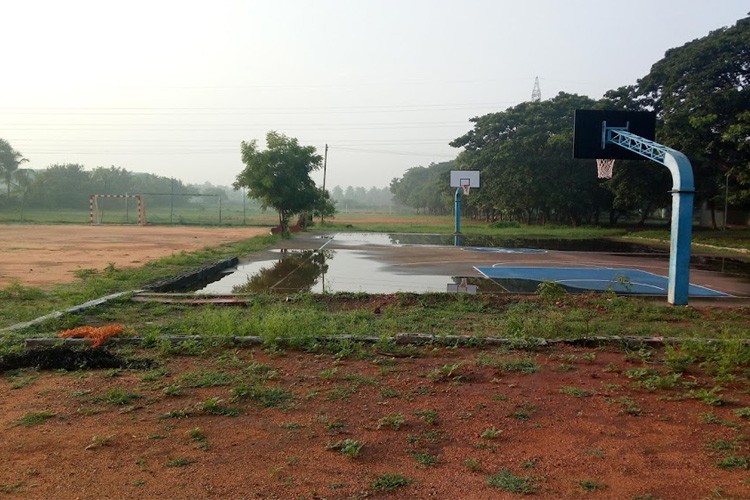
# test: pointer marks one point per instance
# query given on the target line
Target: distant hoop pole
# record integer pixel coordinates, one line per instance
(463, 181)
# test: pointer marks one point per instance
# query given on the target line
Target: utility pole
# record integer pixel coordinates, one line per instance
(325, 162)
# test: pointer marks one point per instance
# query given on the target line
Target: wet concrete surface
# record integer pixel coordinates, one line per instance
(388, 263)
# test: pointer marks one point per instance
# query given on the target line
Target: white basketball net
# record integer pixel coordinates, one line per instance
(604, 167)
(466, 188)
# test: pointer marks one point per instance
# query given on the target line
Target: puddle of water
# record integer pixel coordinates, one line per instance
(323, 271)
(355, 270)
(399, 239)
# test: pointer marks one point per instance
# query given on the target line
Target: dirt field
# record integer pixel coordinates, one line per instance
(42, 255)
(561, 423)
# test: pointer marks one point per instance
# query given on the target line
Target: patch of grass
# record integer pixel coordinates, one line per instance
(389, 482)
(100, 442)
(733, 462)
(473, 464)
(651, 379)
(446, 372)
(721, 445)
(576, 392)
(214, 406)
(743, 412)
(177, 414)
(172, 390)
(153, 375)
(267, 397)
(19, 380)
(425, 459)
(588, 485)
(427, 416)
(711, 418)
(507, 481)
(180, 462)
(523, 365)
(627, 405)
(348, 447)
(710, 397)
(595, 452)
(34, 418)
(490, 433)
(117, 396)
(205, 379)
(394, 421)
(341, 392)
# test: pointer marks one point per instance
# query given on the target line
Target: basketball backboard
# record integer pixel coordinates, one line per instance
(588, 132)
(460, 178)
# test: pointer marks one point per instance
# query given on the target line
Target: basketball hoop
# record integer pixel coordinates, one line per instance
(604, 167)
(466, 187)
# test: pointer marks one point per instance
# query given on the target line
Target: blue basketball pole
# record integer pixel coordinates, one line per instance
(683, 191)
(458, 211)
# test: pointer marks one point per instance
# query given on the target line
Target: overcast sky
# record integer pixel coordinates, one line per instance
(172, 87)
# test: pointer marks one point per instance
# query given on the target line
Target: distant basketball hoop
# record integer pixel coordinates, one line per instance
(463, 181)
(604, 167)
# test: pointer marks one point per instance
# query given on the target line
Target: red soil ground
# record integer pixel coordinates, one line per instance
(611, 440)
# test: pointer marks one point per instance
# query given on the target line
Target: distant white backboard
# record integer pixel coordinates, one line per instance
(459, 178)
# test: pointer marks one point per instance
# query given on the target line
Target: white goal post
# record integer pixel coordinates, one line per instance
(94, 206)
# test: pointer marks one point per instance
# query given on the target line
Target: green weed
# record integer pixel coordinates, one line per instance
(394, 421)
(117, 396)
(425, 459)
(389, 482)
(490, 433)
(34, 418)
(214, 406)
(348, 447)
(473, 464)
(205, 379)
(267, 397)
(733, 462)
(576, 392)
(588, 485)
(180, 462)
(428, 416)
(507, 481)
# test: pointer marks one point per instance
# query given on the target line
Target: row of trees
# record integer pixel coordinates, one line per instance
(701, 95)
(362, 198)
(68, 186)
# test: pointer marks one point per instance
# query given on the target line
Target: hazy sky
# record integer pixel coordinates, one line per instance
(172, 87)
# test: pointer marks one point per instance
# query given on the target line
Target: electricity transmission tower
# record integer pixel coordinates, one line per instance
(536, 94)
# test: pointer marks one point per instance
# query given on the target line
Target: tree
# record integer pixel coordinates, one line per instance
(701, 92)
(279, 176)
(524, 155)
(10, 159)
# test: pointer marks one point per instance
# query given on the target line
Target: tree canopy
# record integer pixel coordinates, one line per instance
(701, 93)
(10, 159)
(279, 176)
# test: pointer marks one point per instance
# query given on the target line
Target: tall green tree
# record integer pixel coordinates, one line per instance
(10, 159)
(279, 176)
(701, 92)
(524, 156)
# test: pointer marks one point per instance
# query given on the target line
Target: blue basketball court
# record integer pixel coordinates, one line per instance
(623, 281)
